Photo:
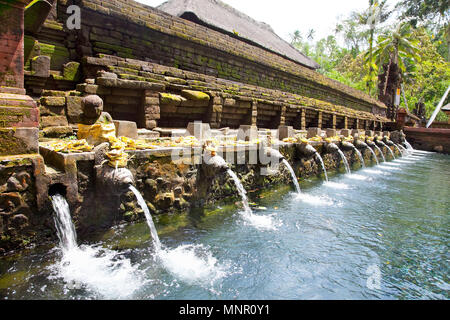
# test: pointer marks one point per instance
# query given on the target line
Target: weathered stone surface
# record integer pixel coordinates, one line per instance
(40, 66)
(72, 71)
(19, 141)
(53, 121)
(313, 132)
(126, 129)
(247, 133)
(19, 181)
(201, 131)
(74, 109)
(195, 95)
(331, 133)
(53, 101)
(92, 108)
(285, 132)
(58, 132)
(171, 99)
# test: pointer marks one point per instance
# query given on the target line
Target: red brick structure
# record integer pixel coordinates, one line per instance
(17, 110)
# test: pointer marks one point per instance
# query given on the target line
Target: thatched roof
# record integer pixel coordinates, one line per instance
(221, 17)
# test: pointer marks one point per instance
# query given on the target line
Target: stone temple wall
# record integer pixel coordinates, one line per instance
(170, 187)
(157, 47)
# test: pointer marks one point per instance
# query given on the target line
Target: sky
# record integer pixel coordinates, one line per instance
(286, 16)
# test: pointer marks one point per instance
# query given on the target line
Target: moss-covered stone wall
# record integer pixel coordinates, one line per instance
(131, 30)
(168, 186)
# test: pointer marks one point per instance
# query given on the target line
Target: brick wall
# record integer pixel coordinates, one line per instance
(11, 44)
(131, 30)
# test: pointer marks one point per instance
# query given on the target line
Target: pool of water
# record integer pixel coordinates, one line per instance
(380, 233)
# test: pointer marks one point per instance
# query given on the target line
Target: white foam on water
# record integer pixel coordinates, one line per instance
(389, 167)
(372, 171)
(404, 161)
(262, 222)
(336, 185)
(422, 152)
(315, 200)
(392, 164)
(100, 270)
(193, 264)
(358, 177)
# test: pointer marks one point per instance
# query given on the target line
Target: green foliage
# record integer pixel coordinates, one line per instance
(422, 52)
(422, 10)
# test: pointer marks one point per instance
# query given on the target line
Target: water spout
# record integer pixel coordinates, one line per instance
(148, 217)
(323, 165)
(361, 158)
(247, 211)
(63, 222)
(275, 154)
(408, 145)
(349, 145)
(384, 145)
(373, 154)
(399, 150)
(331, 147)
(294, 177)
(347, 167)
(307, 149)
(379, 150)
(217, 162)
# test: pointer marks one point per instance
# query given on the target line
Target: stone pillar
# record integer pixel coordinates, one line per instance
(285, 132)
(357, 123)
(11, 42)
(345, 122)
(334, 121)
(254, 112)
(319, 120)
(151, 110)
(313, 132)
(19, 115)
(331, 133)
(303, 119)
(283, 115)
(216, 109)
(247, 133)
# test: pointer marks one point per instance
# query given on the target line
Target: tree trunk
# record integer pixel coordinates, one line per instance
(388, 83)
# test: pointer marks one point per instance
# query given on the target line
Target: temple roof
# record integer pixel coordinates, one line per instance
(446, 107)
(222, 17)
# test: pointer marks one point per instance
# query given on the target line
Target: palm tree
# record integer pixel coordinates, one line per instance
(392, 52)
(377, 13)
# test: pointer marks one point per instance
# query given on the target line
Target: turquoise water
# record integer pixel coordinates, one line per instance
(379, 233)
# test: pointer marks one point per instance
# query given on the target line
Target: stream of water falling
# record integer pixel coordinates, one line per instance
(373, 154)
(258, 221)
(323, 166)
(63, 222)
(399, 150)
(361, 158)
(390, 150)
(381, 153)
(347, 167)
(294, 177)
(93, 270)
(148, 217)
(408, 145)
(406, 152)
